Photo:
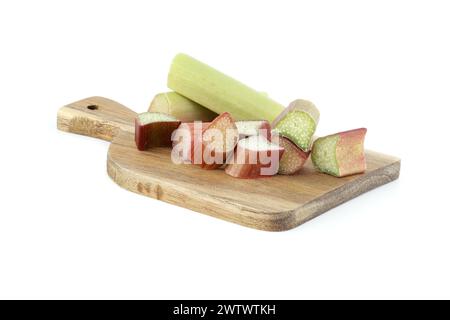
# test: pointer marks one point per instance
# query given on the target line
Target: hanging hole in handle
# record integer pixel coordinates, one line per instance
(92, 107)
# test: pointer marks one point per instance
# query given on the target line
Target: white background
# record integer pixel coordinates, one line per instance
(67, 231)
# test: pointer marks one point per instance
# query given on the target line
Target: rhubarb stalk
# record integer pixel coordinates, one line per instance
(180, 107)
(219, 92)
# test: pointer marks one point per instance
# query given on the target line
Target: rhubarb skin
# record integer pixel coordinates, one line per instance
(340, 154)
(180, 107)
(155, 134)
(293, 158)
(254, 127)
(298, 122)
(244, 166)
(205, 152)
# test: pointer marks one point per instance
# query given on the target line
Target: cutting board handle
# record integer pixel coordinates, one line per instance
(96, 117)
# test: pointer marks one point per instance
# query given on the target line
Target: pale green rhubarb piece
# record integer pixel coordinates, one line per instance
(219, 92)
(340, 154)
(180, 107)
(298, 123)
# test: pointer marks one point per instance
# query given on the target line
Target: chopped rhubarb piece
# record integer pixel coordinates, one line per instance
(188, 132)
(340, 154)
(293, 157)
(218, 141)
(153, 129)
(298, 122)
(255, 157)
(184, 139)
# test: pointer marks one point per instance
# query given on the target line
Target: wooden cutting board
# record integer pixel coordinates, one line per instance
(277, 203)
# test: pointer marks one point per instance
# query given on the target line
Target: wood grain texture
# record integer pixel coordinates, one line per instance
(96, 117)
(274, 204)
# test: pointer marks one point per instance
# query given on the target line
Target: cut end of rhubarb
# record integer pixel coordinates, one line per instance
(298, 122)
(153, 129)
(293, 157)
(151, 117)
(255, 157)
(340, 154)
(258, 143)
(253, 128)
(160, 103)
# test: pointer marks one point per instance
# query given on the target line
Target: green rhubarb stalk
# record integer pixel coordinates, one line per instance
(219, 92)
(180, 107)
